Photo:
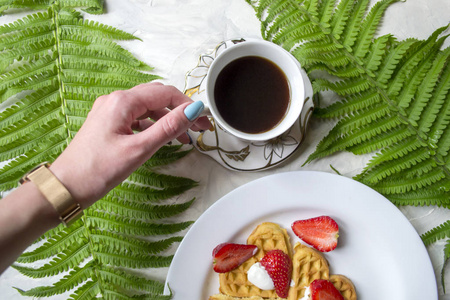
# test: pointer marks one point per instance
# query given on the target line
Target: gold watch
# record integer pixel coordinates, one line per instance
(55, 192)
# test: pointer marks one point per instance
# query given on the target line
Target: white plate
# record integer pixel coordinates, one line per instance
(378, 249)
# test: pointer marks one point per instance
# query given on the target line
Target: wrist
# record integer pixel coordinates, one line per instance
(31, 208)
(79, 180)
(55, 193)
(25, 214)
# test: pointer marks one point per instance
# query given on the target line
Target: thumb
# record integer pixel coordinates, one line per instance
(171, 126)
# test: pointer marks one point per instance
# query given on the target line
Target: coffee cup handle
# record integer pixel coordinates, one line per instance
(206, 111)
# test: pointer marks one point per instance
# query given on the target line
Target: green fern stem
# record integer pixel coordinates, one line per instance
(67, 62)
(380, 88)
(57, 34)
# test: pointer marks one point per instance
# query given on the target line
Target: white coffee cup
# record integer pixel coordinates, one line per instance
(280, 57)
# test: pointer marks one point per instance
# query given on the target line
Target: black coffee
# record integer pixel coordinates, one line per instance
(252, 94)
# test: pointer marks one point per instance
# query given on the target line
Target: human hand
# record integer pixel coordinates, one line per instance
(105, 151)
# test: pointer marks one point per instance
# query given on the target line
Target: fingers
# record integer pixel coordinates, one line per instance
(150, 97)
(173, 113)
(141, 125)
(201, 123)
(154, 100)
(172, 125)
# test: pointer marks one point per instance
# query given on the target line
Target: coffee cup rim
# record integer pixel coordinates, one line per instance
(291, 69)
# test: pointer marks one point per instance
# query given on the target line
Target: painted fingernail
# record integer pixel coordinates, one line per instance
(193, 111)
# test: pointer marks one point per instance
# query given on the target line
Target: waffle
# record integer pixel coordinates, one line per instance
(345, 286)
(226, 297)
(267, 236)
(308, 265)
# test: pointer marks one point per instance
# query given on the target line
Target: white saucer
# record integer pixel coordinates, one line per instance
(231, 152)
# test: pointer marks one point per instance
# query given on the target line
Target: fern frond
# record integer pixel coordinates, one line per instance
(438, 233)
(32, 20)
(148, 177)
(53, 65)
(116, 243)
(135, 261)
(166, 155)
(140, 211)
(394, 95)
(406, 185)
(382, 140)
(393, 152)
(68, 282)
(411, 85)
(412, 58)
(94, 49)
(144, 193)
(377, 53)
(56, 244)
(74, 26)
(131, 226)
(340, 18)
(89, 290)
(446, 258)
(352, 28)
(129, 281)
(353, 139)
(11, 172)
(344, 87)
(436, 91)
(387, 169)
(71, 257)
(352, 104)
(422, 197)
(391, 60)
(90, 6)
(369, 27)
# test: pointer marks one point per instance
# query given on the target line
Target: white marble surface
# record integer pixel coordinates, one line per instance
(176, 32)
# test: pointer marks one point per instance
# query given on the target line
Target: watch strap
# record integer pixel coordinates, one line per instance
(55, 192)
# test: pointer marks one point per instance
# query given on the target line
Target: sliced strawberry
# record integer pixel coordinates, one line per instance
(322, 289)
(321, 232)
(279, 266)
(229, 256)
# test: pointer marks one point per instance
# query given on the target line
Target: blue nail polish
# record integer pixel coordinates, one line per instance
(193, 111)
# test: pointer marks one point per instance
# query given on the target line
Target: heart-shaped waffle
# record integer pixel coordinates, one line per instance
(267, 236)
(308, 265)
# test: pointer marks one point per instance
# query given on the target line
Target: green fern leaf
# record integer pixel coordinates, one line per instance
(140, 211)
(89, 290)
(69, 258)
(440, 232)
(56, 244)
(121, 244)
(67, 283)
(90, 6)
(421, 197)
(53, 65)
(394, 95)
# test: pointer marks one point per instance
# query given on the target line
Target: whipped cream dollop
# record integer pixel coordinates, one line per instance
(307, 295)
(258, 275)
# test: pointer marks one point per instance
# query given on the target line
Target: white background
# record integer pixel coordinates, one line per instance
(176, 32)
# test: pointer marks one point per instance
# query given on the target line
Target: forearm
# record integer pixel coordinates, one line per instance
(103, 153)
(24, 216)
